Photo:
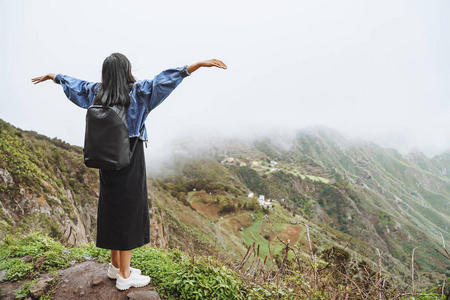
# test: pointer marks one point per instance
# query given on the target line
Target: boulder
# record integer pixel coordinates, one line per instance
(143, 295)
(40, 287)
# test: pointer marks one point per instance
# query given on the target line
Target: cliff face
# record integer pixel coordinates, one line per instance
(45, 186)
(159, 229)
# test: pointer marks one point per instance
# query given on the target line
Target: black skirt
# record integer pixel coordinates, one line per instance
(123, 219)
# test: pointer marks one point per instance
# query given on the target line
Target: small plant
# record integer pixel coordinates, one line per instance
(25, 290)
(52, 253)
(16, 269)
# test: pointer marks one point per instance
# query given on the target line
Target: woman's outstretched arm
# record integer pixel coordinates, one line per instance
(80, 92)
(207, 63)
(153, 92)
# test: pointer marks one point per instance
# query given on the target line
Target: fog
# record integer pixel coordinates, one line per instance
(372, 70)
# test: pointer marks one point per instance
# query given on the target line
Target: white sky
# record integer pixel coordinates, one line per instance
(375, 70)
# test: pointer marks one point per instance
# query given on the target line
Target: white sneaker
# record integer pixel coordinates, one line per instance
(113, 271)
(134, 280)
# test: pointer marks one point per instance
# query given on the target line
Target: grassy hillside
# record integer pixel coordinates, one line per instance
(343, 189)
(44, 185)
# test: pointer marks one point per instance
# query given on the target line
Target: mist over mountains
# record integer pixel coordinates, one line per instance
(160, 148)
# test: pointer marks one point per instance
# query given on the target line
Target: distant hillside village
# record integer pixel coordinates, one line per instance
(267, 204)
(254, 164)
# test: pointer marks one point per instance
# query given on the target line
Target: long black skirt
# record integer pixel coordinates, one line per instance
(123, 221)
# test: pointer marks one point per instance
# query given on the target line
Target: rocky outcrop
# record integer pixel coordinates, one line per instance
(159, 230)
(74, 223)
(87, 280)
(6, 178)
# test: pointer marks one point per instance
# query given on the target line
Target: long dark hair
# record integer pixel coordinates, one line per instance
(117, 81)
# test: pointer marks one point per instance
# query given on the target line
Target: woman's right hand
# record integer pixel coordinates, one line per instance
(43, 78)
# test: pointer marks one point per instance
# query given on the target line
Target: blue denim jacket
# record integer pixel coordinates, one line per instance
(145, 95)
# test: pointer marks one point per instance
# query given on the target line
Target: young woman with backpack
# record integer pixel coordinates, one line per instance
(123, 215)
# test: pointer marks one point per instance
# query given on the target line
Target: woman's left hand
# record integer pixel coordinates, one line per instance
(43, 78)
(207, 63)
(213, 63)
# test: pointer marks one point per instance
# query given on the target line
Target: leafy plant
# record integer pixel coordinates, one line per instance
(25, 290)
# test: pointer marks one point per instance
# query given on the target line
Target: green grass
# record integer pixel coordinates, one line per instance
(252, 234)
(177, 275)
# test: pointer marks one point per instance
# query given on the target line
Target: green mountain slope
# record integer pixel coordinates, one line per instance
(347, 188)
(352, 193)
(44, 185)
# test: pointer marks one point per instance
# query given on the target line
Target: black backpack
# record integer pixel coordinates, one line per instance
(106, 141)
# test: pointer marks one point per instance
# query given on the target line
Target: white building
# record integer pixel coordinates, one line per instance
(264, 203)
(250, 195)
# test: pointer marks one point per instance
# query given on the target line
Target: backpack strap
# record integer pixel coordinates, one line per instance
(121, 112)
(135, 143)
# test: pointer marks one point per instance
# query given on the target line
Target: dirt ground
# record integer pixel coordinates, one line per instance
(211, 210)
(240, 221)
(292, 232)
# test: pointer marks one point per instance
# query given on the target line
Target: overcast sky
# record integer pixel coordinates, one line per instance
(375, 70)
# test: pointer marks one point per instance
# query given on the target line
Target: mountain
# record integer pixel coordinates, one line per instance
(343, 188)
(349, 193)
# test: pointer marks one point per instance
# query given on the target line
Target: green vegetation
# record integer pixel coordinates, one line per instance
(53, 255)
(180, 276)
(25, 290)
(177, 274)
(38, 163)
(48, 169)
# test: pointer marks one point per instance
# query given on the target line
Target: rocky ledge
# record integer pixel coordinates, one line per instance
(87, 280)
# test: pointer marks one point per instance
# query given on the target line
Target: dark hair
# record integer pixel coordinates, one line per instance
(117, 81)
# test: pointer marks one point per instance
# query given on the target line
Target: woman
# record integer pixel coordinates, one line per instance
(123, 216)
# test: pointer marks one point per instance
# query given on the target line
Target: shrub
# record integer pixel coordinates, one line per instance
(182, 277)
(228, 208)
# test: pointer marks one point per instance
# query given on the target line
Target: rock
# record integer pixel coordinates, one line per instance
(40, 287)
(143, 295)
(397, 226)
(2, 274)
(38, 262)
(6, 177)
(91, 279)
(27, 258)
(96, 281)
